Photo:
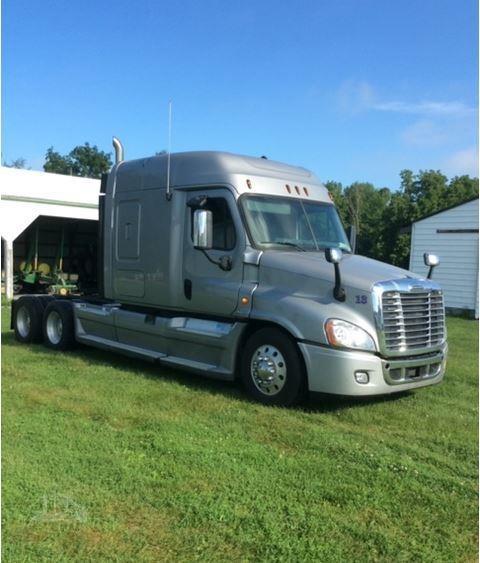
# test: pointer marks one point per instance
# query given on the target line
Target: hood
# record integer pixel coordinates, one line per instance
(356, 271)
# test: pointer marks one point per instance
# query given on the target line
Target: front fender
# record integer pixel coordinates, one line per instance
(304, 316)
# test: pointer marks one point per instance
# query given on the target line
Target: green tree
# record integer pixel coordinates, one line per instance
(335, 189)
(460, 189)
(55, 162)
(420, 195)
(16, 163)
(365, 205)
(383, 218)
(430, 192)
(394, 246)
(84, 160)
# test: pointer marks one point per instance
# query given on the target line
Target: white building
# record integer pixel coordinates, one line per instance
(49, 200)
(452, 234)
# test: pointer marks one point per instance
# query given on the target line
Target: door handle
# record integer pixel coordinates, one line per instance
(225, 263)
(187, 288)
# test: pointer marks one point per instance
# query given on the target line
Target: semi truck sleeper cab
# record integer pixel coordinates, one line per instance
(240, 268)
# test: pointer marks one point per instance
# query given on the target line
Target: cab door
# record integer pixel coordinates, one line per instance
(207, 287)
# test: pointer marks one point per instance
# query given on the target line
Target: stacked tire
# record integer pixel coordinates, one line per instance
(44, 319)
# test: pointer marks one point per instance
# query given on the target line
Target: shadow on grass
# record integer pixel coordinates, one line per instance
(316, 402)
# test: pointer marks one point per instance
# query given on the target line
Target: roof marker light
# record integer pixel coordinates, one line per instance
(288, 188)
(249, 184)
(305, 190)
(297, 189)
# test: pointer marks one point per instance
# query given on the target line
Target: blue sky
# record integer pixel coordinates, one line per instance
(352, 89)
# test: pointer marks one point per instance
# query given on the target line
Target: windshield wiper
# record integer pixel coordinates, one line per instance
(285, 244)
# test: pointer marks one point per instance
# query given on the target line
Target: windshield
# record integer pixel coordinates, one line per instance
(276, 222)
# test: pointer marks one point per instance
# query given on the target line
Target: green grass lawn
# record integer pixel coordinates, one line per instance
(111, 459)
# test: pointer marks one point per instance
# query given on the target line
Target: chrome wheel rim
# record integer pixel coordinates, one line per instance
(54, 327)
(268, 370)
(23, 322)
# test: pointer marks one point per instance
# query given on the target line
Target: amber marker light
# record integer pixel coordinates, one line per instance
(245, 300)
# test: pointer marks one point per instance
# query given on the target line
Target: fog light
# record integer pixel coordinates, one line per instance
(362, 377)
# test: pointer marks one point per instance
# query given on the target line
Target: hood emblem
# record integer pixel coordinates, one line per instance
(417, 288)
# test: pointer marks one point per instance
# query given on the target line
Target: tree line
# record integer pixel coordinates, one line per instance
(381, 216)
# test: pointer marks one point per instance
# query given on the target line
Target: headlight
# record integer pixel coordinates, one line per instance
(346, 335)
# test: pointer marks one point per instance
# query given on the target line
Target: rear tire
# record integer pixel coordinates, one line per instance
(272, 370)
(58, 325)
(27, 319)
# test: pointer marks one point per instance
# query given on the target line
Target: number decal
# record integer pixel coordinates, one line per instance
(361, 299)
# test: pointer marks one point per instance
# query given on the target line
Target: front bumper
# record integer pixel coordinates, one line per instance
(332, 371)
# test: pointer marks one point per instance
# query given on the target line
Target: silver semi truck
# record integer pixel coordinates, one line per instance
(239, 267)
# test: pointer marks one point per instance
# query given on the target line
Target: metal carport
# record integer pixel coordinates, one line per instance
(27, 195)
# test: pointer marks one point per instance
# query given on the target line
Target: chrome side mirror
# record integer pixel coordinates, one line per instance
(334, 256)
(431, 260)
(202, 229)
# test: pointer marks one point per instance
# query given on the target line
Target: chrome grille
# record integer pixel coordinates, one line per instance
(412, 320)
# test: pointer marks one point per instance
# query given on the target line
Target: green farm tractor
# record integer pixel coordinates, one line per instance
(35, 276)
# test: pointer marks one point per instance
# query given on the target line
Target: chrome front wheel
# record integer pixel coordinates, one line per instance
(271, 368)
(268, 370)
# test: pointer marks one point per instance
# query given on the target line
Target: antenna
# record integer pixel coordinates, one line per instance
(168, 193)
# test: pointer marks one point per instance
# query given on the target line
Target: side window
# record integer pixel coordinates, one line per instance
(223, 226)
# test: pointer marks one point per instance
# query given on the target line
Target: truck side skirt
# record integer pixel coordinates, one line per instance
(201, 345)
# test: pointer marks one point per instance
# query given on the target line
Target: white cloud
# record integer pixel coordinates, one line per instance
(424, 133)
(462, 162)
(355, 96)
(425, 108)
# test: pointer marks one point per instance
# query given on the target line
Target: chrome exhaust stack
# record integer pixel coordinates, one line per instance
(119, 152)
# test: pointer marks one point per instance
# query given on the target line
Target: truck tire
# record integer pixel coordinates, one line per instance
(272, 370)
(58, 325)
(27, 319)
(44, 300)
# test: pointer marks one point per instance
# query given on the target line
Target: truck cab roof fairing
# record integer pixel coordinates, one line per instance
(220, 168)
